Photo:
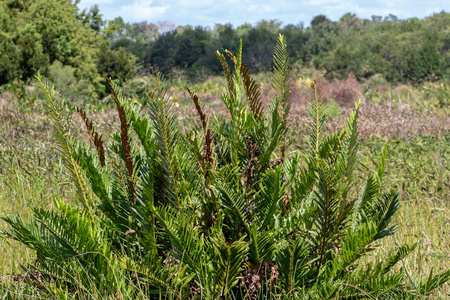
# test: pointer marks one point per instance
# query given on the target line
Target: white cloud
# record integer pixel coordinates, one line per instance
(238, 12)
(324, 3)
(143, 10)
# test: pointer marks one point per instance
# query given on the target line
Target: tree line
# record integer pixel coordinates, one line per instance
(411, 50)
(79, 49)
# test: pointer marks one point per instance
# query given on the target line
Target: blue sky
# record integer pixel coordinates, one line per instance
(238, 12)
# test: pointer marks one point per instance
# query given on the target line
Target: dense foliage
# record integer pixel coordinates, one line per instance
(53, 37)
(219, 210)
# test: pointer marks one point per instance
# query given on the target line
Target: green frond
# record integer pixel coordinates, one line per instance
(161, 278)
(385, 209)
(366, 198)
(117, 207)
(331, 148)
(432, 282)
(271, 142)
(274, 117)
(188, 245)
(272, 194)
(351, 143)
(394, 257)
(61, 239)
(316, 114)
(293, 263)
(234, 203)
(229, 261)
(95, 173)
(142, 125)
(145, 192)
(262, 245)
(363, 286)
(303, 181)
(327, 203)
(230, 82)
(190, 178)
(166, 138)
(64, 145)
(281, 77)
(281, 74)
(352, 246)
(237, 60)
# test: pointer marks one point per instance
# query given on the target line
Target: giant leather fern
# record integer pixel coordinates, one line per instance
(214, 211)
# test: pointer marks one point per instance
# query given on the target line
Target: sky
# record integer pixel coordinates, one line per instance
(238, 12)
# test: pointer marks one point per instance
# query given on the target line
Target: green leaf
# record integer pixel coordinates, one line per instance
(229, 260)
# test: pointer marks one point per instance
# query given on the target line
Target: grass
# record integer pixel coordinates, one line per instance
(417, 132)
(419, 168)
(31, 175)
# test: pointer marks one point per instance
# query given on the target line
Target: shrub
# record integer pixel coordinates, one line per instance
(222, 210)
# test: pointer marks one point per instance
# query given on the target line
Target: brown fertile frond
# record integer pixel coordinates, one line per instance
(96, 139)
(208, 161)
(252, 90)
(206, 164)
(124, 138)
(231, 55)
(200, 112)
(227, 71)
(207, 156)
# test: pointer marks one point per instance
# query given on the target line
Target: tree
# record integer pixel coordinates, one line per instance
(36, 34)
(93, 18)
(319, 19)
(115, 64)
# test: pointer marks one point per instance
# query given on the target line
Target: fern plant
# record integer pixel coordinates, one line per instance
(221, 211)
